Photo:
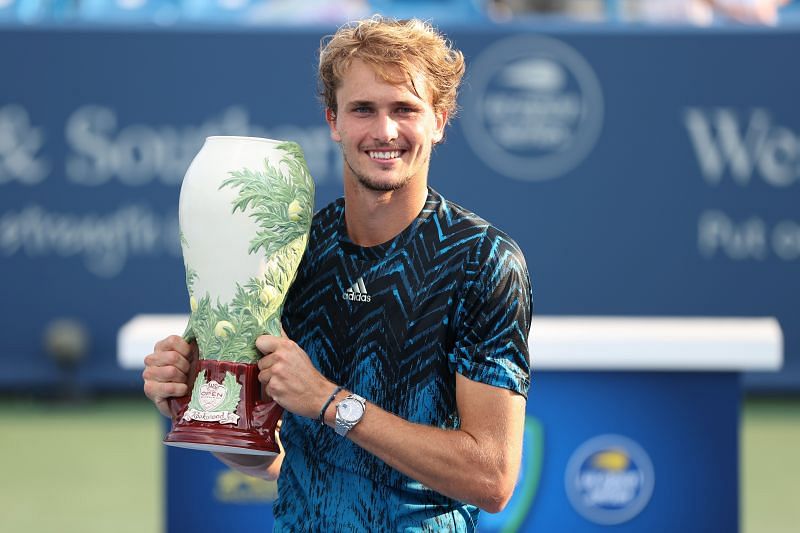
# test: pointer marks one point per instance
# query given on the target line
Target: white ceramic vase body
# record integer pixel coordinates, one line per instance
(245, 211)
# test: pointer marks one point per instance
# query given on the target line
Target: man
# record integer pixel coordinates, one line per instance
(415, 307)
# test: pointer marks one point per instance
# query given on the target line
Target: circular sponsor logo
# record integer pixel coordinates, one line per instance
(535, 108)
(609, 479)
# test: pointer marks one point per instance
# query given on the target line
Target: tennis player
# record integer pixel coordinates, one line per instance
(404, 370)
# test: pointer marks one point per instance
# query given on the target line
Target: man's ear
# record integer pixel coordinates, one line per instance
(441, 122)
(330, 118)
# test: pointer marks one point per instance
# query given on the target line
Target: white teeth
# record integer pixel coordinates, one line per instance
(384, 155)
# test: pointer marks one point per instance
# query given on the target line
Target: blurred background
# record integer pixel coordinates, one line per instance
(644, 153)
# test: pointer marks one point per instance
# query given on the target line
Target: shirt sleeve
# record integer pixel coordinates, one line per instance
(493, 316)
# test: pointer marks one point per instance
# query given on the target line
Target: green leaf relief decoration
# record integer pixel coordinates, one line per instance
(194, 403)
(280, 199)
(233, 393)
(191, 276)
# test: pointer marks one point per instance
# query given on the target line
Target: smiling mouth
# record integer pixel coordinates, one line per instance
(383, 155)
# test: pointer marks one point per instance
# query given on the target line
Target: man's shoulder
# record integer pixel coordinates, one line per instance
(327, 214)
(325, 223)
(484, 238)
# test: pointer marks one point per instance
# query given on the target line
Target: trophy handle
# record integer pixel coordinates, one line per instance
(266, 415)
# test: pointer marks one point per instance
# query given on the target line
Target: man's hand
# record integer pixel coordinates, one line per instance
(167, 371)
(290, 378)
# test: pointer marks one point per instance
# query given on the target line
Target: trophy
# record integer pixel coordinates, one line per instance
(245, 211)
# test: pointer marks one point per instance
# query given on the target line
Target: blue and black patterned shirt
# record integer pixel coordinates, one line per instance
(394, 323)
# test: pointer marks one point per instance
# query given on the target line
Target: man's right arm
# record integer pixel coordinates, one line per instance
(255, 465)
(167, 373)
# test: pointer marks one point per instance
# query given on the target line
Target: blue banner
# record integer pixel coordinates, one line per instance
(642, 173)
(637, 451)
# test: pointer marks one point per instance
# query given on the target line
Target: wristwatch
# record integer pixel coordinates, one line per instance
(349, 412)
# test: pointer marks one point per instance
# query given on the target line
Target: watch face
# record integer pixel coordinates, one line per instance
(351, 410)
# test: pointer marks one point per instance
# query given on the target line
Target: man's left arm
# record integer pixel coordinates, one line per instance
(477, 463)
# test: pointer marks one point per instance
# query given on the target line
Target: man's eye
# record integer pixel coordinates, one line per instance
(405, 110)
(362, 109)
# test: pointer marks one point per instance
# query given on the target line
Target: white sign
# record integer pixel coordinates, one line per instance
(746, 145)
(20, 144)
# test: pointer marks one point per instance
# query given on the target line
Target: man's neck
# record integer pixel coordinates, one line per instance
(375, 217)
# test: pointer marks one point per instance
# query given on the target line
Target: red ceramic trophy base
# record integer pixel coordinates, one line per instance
(252, 434)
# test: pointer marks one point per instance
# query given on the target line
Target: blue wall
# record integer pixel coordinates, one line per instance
(642, 173)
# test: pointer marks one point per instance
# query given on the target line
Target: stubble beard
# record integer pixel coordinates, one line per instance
(372, 183)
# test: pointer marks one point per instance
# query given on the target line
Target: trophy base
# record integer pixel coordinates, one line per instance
(220, 449)
(194, 439)
(249, 430)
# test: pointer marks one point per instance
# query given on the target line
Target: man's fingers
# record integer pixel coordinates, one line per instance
(168, 358)
(264, 376)
(165, 374)
(160, 391)
(167, 369)
(267, 344)
(267, 361)
(176, 389)
(174, 343)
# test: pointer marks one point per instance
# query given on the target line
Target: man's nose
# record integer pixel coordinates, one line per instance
(385, 128)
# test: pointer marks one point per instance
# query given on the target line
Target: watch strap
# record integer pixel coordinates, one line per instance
(342, 425)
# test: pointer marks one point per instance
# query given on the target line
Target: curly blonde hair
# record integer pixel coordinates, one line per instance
(411, 46)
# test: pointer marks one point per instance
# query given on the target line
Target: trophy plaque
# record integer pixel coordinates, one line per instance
(245, 211)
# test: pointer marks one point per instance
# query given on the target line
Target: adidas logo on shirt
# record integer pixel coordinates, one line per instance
(357, 293)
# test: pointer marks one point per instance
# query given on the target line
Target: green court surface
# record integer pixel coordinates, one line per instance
(98, 467)
(770, 474)
(80, 469)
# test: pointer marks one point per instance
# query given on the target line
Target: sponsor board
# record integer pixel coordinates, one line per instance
(739, 151)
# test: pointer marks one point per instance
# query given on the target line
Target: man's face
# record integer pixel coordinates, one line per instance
(386, 131)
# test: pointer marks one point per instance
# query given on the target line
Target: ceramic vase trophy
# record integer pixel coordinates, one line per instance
(245, 212)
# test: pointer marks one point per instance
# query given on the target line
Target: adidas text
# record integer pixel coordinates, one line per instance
(356, 297)
(357, 293)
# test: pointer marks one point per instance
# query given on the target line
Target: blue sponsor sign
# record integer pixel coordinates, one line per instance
(632, 451)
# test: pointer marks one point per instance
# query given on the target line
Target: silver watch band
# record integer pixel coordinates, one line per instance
(343, 425)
